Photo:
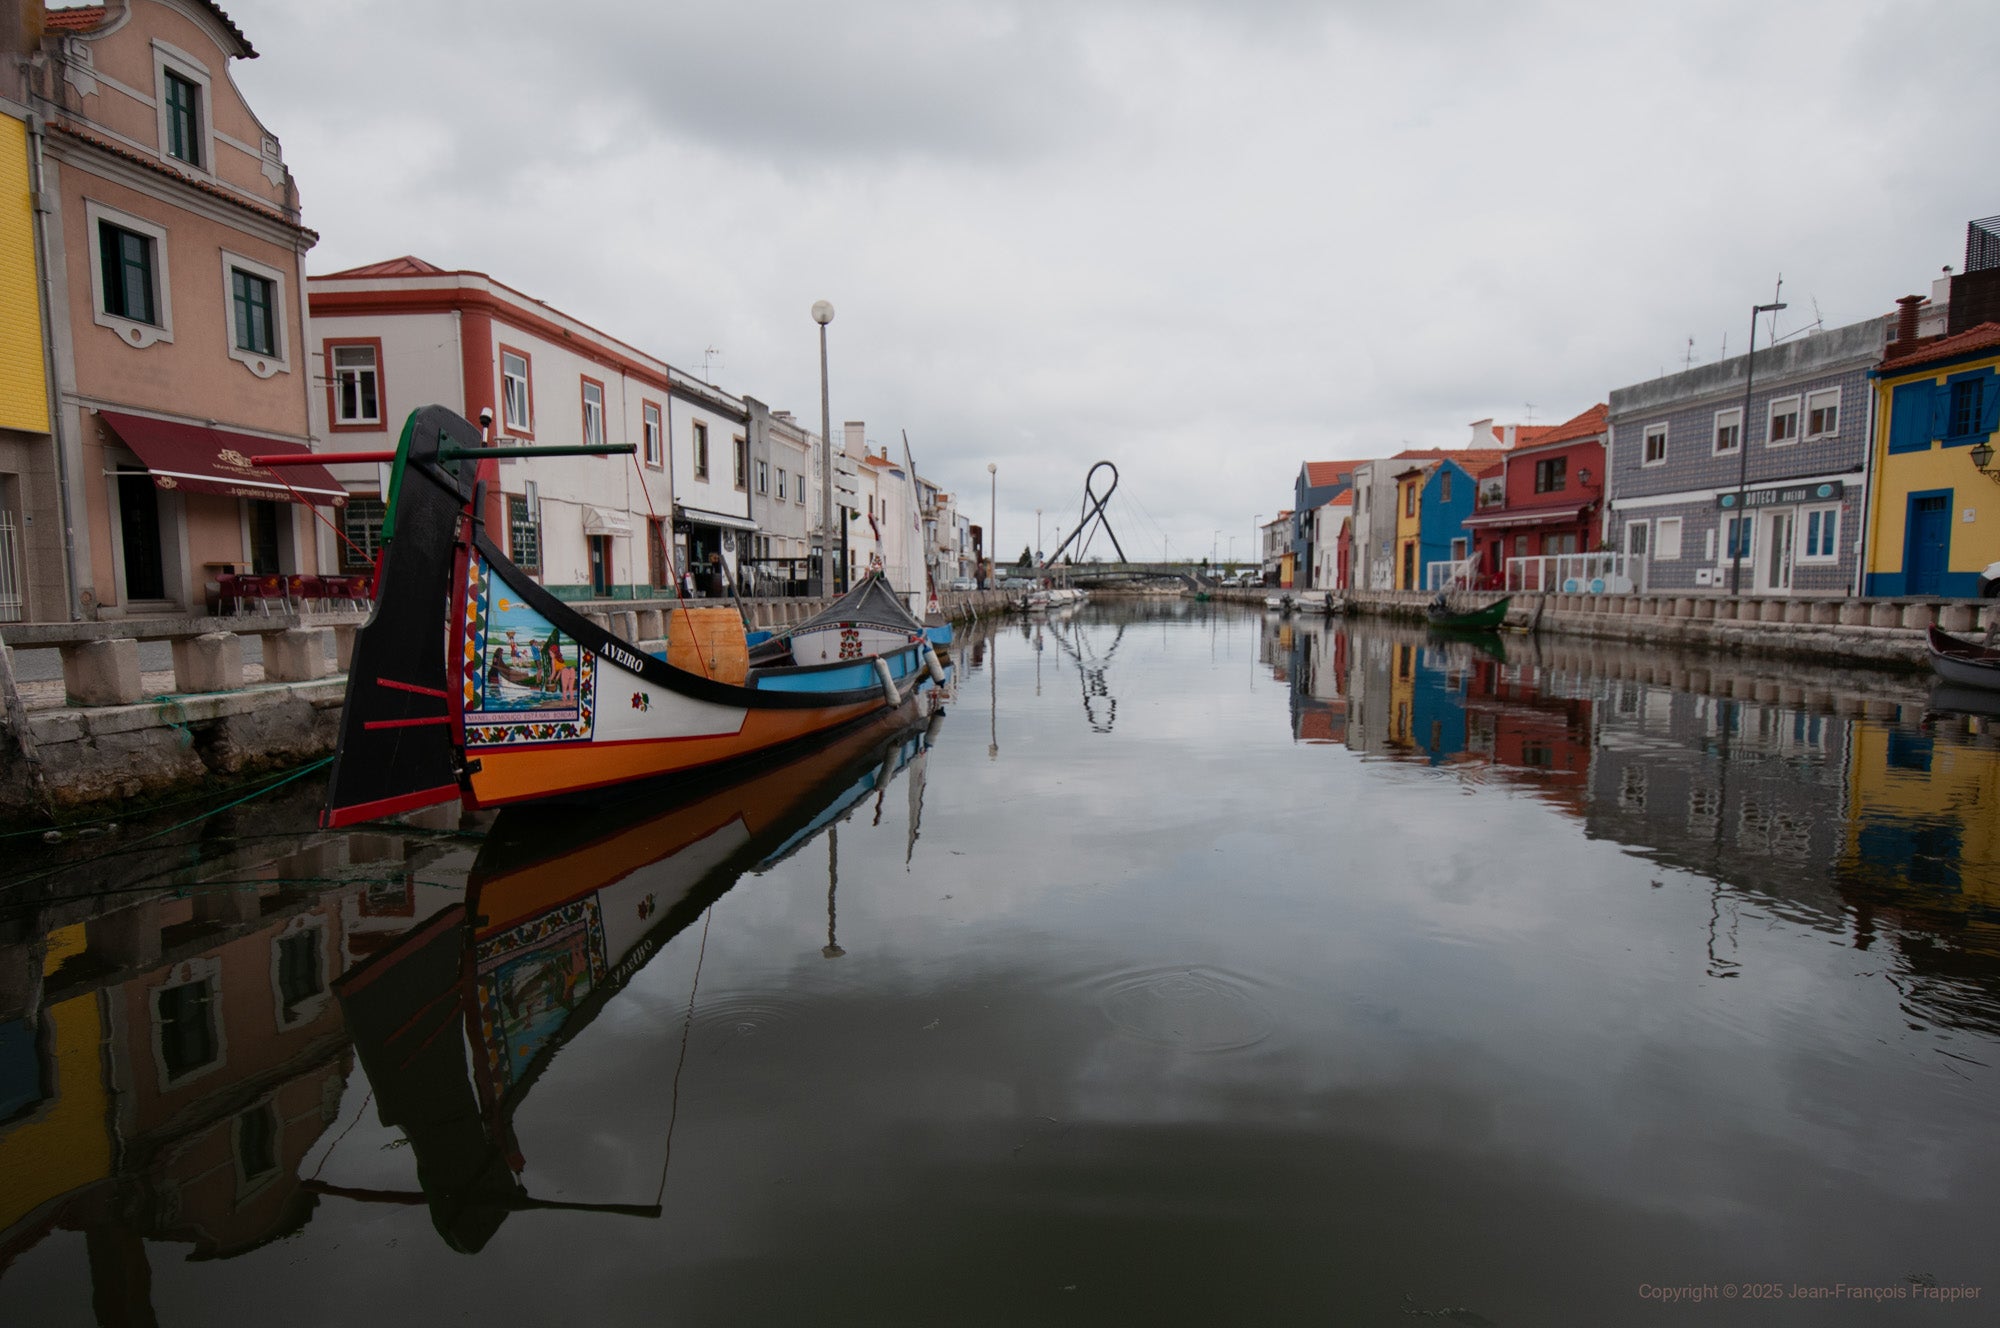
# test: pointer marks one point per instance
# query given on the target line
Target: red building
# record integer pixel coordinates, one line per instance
(1543, 498)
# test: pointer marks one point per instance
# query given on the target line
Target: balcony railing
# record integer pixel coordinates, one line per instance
(1602, 573)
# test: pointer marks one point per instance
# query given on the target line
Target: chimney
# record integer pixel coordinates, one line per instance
(855, 443)
(1906, 318)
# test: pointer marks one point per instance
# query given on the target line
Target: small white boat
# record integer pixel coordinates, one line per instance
(1964, 663)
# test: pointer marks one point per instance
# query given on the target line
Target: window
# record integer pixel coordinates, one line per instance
(524, 533)
(593, 413)
(1667, 539)
(1823, 413)
(186, 1015)
(781, 484)
(1820, 529)
(1409, 500)
(1741, 538)
(1962, 408)
(1549, 475)
(361, 532)
(1784, 422)
(257, 1142)
(700, 450)
(649, 413)
(127, 260)
(1728, 431)
(740, 448)
(1444, 487)
(183, 115)
(1638, 537)
(764, 478)
(357, 384)
(299, 975)
(250, 298)
(517, 395)
(1656, 445)
(1708, 546)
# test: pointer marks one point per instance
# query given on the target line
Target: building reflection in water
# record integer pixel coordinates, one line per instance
(1861, 810)
(172, 1053)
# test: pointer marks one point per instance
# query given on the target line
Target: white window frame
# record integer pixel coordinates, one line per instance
(1652, 431)
(1780, 406)
(1708, 543)
(1644, 531)
(763, 477)
(1725, 419)
(1722, 537)
(784, 493)
(133, 333)
(1829, 512)
(165, 58)
(339, 371)
(205, 969)
(1820, 400)
(525, 422)
(1667, 539)
(593, 412)
(263, 366)
(653, 426)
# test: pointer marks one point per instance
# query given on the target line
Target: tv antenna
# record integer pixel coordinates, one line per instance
(709, 354)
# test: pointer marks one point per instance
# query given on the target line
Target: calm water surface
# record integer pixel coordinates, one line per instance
(1189, 967)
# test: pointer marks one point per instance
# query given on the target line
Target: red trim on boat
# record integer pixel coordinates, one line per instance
(424, 721)
(335, 817)
(413, 687)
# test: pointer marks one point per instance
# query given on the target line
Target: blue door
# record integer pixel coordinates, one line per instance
(1927, 547)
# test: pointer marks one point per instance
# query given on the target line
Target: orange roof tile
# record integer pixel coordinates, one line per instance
(1588, 424)
(409, 265)
(75, 20)
(1320, 474)
(1978, 337)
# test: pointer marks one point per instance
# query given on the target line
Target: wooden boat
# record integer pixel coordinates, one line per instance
(1965, 663)
(1477, 620)
(460, 1019)
(424, 723)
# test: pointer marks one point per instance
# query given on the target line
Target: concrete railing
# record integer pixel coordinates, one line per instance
(100, 660)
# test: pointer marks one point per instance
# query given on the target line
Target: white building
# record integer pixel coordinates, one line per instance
(390, 337)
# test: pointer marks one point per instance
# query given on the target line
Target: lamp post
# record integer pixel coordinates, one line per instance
(1038, 534)
(822, 312)
(1257, 542)
(992, 523)
(1743, 450)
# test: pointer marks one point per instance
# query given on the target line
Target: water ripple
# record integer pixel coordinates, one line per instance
(1190, 1008)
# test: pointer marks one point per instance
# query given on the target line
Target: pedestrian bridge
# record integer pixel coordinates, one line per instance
(1107, 574)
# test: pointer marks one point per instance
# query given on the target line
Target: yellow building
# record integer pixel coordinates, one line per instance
(1409, 527)
(1934, 519)
(1921, 833)
(26, 482)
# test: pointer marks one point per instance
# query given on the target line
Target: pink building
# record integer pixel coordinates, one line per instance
(173, 288)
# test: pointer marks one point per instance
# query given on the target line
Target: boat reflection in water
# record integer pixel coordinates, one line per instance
(457, 1022)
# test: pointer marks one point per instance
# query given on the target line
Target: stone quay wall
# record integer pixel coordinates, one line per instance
(1884, 633)
(114, 735)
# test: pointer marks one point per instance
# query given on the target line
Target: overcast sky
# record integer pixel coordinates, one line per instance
(1203, 241)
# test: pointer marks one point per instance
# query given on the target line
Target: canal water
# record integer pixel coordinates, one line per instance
(1181, 965)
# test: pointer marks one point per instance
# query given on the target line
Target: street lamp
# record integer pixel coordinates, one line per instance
(1257, 542)
(1982, 461)
(992, 523)
(823, 314)
(1743, 451)
(1038, 534)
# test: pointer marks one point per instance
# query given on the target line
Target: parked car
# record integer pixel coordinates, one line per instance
(1989, 582)
(964, 583)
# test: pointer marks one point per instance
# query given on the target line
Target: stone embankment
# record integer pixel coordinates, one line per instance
(110, 732)
(1884, 633)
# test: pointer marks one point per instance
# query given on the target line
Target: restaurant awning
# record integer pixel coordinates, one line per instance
(597, 521)
(701, 518)
(194, 458)
(1557, 516)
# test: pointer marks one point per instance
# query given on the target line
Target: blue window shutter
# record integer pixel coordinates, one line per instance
(1989, 415)
(1910, 418)
(1941, 410)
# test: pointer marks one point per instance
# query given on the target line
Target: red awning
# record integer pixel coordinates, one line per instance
(1548, 516)
(197, 459)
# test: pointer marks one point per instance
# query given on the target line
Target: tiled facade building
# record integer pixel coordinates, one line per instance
(1680, 451)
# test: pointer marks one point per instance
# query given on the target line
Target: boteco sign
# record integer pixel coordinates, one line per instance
(1804, 493)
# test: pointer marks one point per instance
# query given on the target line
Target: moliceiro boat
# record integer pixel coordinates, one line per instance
(1964, 663)
(471, 682)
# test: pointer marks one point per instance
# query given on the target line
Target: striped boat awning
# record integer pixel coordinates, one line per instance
(196, 458)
